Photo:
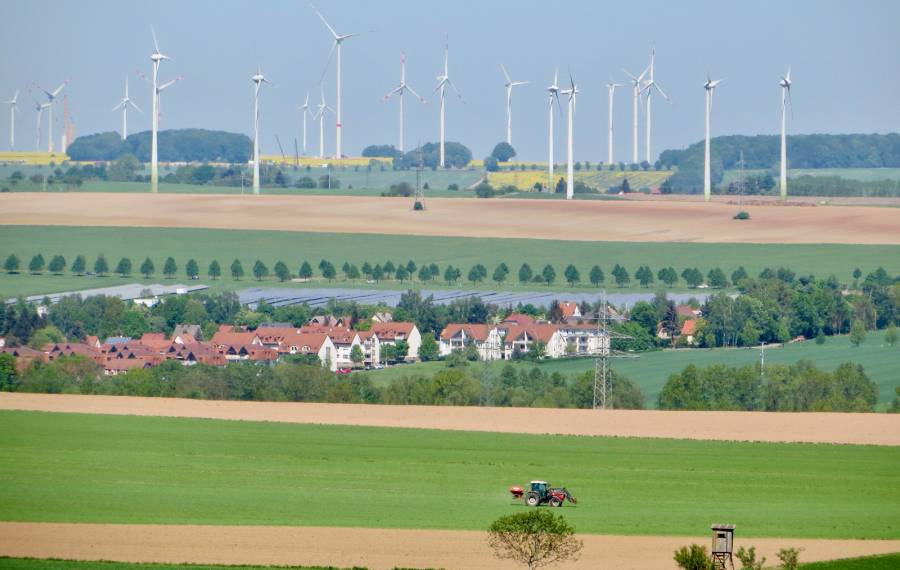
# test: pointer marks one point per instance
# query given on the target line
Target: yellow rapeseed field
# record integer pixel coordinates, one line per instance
(33, 158)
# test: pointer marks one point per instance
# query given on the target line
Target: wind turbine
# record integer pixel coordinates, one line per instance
(257, 80)
(304, 108)
(785, 84)
(710, 87)
(443, 81)
(509, 87)
(39, 107)
(338, 42)
(611, 88)
(635, 98)
(156, 57)
(649, 86)
(51, 98)
(570, 171)
(399, 92)
(553, 91)
(320, 115)
(123, 104)
(12, 120)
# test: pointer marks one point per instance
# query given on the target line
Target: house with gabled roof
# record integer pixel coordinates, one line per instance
(485, 338)
(394, 331)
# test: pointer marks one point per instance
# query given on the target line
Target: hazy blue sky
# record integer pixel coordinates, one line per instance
(844, 56)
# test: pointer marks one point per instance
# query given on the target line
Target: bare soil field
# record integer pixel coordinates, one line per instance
(770, 200)
(638, 221)
(865, 429)
(373, 548)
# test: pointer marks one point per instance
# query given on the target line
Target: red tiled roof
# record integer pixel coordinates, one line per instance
(689, 327)
(568, 309)
(390, 331)
(224, 338)
(474, 331)
(519, 318)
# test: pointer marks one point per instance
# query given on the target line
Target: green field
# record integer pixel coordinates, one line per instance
(127, 469)
(651, 370)
(861, 174)
(884, 562)
(295, 247)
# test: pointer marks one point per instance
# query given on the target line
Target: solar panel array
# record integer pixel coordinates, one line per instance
(279, 297)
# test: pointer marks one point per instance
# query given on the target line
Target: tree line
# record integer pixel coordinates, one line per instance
(404, 272)
(798, 387)
(175, 145)
(298, 380)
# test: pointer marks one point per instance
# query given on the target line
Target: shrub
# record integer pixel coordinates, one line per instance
(742, 215)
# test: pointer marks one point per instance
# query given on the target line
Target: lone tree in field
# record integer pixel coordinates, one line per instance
(260, 271)
(525, 273)
(237, 270)
(147, 268)
(36, 265)
(124, 267)
(191, 268)
(693, 557)
(857, 333)
(535, 538)
(79, 265)
(215, 270)
(101, 266)
(57, 264)
(11, 265)
(282, 271)
(170, 268)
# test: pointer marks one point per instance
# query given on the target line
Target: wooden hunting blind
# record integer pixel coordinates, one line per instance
(722, 546)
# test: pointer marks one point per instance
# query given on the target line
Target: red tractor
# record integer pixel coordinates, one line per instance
(541, 493)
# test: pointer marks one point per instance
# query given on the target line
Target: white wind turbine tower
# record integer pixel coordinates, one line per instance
(51, 98)
(635, 99)
(320, 116)
(399, 90)
(338, 42)
(443, 81)
(304, 108)
(649, 86)
(156, 57)
(123, 104)
(570, 167)
(710, 87)
(257, 80)
(553, 90)
(611, 88)
(509, 87)
(785, 84)
(39, 107)
(12, 120)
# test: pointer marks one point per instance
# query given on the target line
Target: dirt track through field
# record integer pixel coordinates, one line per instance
(374, 548)
(871, 429)
(635, 221)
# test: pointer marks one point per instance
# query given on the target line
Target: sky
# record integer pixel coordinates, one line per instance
(843, 54)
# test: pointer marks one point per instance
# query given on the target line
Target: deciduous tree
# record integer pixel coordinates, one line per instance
(147, 268)
(535, 538)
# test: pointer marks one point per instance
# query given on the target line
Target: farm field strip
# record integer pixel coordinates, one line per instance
(661, 221)
(376, 549)
(838, 428)
(293, 248)
(88, 468)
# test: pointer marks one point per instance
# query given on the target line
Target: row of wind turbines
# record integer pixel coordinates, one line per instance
(39, 107)
(643, 87)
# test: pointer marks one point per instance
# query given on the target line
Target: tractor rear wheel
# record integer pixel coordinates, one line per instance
(532, 499)
(554, 502)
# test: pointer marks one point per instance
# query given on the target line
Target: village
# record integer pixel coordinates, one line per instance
(337, 345)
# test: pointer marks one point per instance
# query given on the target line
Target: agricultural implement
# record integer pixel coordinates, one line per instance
(541, 493)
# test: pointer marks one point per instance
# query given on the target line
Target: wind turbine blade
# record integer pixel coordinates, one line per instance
(505, 74)
(119, 106)
(455, 90)
(628, 73)
(661, 92)
(397, 89)
(324, 21)
(327, 63)
(155, 43)
(419, 97)
(136, 108)
(556, 77)
(60, 88)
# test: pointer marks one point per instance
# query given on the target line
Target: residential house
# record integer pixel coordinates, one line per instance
(382, 317)
(194, 331)
(485, 338)
(371, 346)
(689, 330)
(395, 331)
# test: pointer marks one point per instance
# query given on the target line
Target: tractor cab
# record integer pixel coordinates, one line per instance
(540, 487)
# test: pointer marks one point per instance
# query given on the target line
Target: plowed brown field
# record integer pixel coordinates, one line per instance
(872, 429)
(373, 548)
(640, 221)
